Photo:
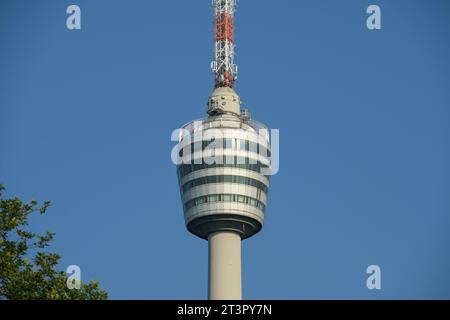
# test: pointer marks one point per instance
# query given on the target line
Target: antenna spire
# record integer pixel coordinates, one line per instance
(225, 71)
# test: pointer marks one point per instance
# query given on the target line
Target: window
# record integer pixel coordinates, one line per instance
(238, 162)
(242, 145)
(224, 198)
(226, 179)
(228, 143)
(253, 147)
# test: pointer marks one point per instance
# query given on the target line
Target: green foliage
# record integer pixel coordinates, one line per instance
(24, 275)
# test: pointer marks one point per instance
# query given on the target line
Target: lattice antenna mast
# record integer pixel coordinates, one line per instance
(225, 71)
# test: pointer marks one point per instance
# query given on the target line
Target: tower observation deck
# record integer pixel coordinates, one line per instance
(223, 168)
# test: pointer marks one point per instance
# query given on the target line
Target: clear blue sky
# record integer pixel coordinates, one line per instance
(364, 118)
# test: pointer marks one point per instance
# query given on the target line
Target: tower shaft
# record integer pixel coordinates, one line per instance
(224, 266)
(225, 71)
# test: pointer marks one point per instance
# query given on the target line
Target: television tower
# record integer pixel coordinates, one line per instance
(223, 168)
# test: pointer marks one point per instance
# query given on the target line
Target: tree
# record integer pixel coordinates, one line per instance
(32, 275)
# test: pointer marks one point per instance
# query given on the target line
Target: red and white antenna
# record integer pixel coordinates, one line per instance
(225, 71)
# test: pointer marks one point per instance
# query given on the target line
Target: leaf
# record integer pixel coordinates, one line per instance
(24, 275)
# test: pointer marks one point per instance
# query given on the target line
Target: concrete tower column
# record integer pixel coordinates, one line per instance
(225, 282)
